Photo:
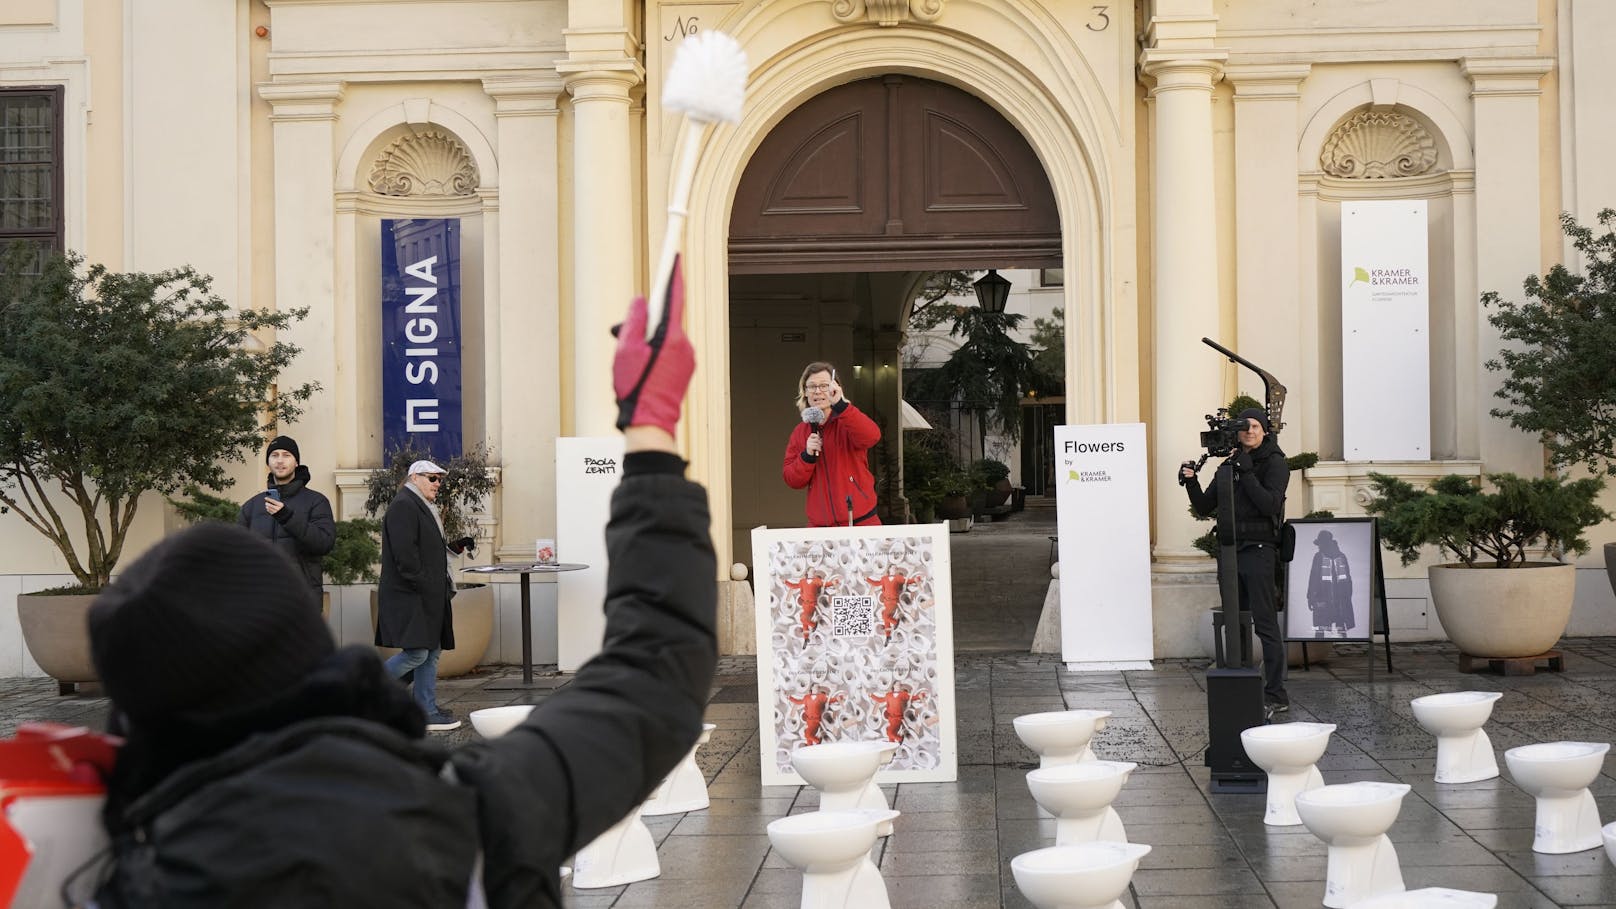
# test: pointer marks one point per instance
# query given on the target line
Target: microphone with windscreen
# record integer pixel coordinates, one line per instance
(814, 417)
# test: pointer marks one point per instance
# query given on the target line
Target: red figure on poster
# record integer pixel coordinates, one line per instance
(896, 702)
(813, 706)
(892, 585)
(808, 591)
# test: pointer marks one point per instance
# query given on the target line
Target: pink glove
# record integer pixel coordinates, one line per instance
(650, 377)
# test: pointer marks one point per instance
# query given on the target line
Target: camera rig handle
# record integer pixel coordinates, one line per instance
(1273, 391)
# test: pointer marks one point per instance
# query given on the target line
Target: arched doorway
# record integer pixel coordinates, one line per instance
(845, 203)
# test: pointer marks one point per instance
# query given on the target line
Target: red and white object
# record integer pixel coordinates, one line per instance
(51, 794)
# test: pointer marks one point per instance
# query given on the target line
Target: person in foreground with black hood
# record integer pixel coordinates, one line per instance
(1260, 478)
(264, 768)
(291, 515)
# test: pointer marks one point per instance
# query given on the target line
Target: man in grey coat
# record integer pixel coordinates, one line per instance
(413, 599)
(295, 518)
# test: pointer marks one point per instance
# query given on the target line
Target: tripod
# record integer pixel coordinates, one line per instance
(1234, 688)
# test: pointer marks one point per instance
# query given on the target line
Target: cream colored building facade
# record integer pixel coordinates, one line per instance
(1198, 153)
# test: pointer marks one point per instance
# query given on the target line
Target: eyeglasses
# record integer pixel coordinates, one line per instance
(432, 478)
(818, 387)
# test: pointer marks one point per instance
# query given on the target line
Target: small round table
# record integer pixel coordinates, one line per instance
(526, 571)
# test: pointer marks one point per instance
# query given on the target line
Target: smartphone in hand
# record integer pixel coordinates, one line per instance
(273, 493)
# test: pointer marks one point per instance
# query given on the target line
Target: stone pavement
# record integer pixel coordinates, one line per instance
(953, 844)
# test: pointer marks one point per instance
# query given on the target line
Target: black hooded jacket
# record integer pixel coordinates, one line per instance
(1260, 480)
(330, 796)
(303, 530)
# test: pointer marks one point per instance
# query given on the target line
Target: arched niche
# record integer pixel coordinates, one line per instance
(398, 164)
(1396, 141)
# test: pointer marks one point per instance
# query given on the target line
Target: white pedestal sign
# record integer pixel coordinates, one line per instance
(1385, 331)
(1103, 513)
(587, 472)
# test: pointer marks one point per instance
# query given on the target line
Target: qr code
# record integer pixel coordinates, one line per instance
(852, 616)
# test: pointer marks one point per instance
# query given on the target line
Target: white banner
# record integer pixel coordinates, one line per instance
(1103, 513)
(1385, 331)
(855, 642)
(587, 472)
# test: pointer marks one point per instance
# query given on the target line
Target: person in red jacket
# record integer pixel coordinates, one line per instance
(829, 452)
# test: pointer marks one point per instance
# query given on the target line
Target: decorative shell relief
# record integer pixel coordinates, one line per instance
(427, 163)
(887, 12)
(1373, 145)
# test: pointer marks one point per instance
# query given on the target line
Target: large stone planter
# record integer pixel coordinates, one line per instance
(1504, 612)
(54, 629)
(473, 629)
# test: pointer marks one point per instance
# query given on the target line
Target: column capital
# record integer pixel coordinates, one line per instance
(1266, 81)
(591, 80)
(1176, 70)
(516, 97)
(1505, 76)
(301, 100)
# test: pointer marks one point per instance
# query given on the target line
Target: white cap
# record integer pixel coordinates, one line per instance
(425, 467)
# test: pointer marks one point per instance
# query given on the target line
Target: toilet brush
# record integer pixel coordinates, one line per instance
(707, 83)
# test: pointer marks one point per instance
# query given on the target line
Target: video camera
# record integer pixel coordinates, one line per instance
(1222, 436)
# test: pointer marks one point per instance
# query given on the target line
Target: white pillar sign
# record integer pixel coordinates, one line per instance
(1385, 331)
(587, 473)
(1103, 511)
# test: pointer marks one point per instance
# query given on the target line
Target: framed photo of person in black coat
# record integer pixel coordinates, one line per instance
(1334, 581)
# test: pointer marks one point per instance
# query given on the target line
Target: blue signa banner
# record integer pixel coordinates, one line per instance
(421, 335)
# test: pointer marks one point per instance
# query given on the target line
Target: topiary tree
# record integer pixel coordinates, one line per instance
(466, 485)
(113, 385)
(1494, 528)
(1561, 384)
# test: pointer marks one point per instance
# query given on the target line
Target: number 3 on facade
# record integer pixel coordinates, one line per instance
(1101, 20)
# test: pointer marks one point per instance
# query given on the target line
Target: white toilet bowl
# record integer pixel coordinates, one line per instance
(1061, 736)
(1464, 754)
(833, 851)
(1608, 832)
(622, 855)
(844, 772)
(1084, 876)
(493, 722)
(1352, 820)
(1079, 797)
(1287, 753)
(684, 789)
(1430, 898)
(1558, 775)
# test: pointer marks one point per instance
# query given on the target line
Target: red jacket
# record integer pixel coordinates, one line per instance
(841, 470)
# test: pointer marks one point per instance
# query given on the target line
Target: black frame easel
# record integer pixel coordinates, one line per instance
(1379, 620)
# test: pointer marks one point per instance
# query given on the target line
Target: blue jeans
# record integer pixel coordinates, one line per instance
(425, 664)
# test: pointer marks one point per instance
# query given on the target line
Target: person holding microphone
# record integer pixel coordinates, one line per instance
(828, 453)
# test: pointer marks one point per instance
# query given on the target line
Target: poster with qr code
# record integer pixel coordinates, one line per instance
(855, 643)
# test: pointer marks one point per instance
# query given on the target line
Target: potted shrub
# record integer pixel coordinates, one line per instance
(1560, 380)
(1494, 601)
(993, 477)
(467, 485)
(114, 385)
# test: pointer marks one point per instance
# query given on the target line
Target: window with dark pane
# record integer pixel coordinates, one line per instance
(31, 167)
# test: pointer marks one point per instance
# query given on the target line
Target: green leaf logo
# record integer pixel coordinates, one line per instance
(1071, 476)
(1358, 274)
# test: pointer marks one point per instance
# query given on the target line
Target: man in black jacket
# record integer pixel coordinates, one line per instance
(414, 608)
(1258, 510)
(268, 770)
(291, 515)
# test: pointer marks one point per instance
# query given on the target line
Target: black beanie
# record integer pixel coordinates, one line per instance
(210, 621)
(1250, 413)
(286, 443)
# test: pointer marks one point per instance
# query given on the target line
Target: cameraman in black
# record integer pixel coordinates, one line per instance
(1260, 478)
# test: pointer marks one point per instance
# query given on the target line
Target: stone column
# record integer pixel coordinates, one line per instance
(302, 118)
(526, 336)
(1266, 199)
(603, 230)
(1509, 223)
(1188, 376)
